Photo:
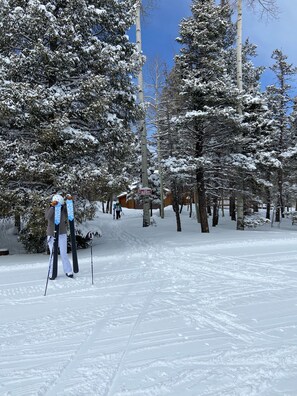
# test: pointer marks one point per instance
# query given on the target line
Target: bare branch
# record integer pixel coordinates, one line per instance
(269, 8)
(146, 7)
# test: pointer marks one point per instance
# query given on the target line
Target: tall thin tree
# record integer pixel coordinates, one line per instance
(142, 123)
(268, 7)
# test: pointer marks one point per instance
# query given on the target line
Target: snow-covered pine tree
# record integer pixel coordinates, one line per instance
(225, 135)
(290, 157)
(175, 167)
(210, 97)
(256, 160)
(156, 81)
(268, 7)
(280, 103)
(67, 98)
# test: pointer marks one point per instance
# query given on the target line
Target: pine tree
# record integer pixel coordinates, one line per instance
(209, 118)
(280, 103)
(67, 99)
(175, 166)
(257, 158)
(290, 157)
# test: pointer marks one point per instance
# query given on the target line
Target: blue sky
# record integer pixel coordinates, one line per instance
(160, 28)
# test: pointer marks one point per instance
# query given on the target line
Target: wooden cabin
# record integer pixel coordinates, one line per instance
(132, 203)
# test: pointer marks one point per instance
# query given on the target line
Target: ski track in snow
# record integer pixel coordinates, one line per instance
(153, 323)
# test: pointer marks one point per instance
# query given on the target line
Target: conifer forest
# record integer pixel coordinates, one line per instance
(78, 114)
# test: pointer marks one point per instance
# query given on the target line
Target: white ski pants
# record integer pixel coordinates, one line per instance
(63, 253)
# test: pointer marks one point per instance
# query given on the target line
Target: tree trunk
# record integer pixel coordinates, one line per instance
(240, 200)
(159, 156)
(191, 207)
(240, 211)
(239, 47)
(215, 217)
(280, 192)
(268, 209)
(223, 208)
(110, 203)
(268, 204)
(277, 215)
(196, 205)
(17, 221)
(142, 124)
(175, 205)
(202, 200)
(232, 208)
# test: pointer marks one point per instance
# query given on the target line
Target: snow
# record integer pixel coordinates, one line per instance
(179, 314)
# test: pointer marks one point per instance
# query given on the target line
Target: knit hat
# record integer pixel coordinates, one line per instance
(58, 198)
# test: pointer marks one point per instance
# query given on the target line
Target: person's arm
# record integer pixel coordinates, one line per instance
(50, 213)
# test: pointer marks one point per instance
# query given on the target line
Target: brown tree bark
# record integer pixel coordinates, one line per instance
(215, 217)
(202, 200)
(232, 209)
(175, 205)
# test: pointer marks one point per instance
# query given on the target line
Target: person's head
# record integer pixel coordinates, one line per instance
(58, 198)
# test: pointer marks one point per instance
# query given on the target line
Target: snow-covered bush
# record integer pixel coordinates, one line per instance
(254, 221)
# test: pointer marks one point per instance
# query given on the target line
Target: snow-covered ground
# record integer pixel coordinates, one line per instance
(169, 313)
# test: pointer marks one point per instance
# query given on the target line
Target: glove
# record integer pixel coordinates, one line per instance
(54, 203)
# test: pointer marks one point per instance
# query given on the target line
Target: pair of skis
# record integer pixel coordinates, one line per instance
(70, 212)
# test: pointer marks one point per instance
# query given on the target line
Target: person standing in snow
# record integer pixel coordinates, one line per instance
(50, 217)
(117, 208)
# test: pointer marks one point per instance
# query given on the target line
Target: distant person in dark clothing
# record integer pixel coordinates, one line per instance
(117, 208)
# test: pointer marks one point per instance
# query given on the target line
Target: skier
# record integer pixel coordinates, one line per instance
(117, 208)
(49, 215)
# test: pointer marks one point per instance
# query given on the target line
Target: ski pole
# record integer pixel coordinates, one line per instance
(92, 266)
(48, 272)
